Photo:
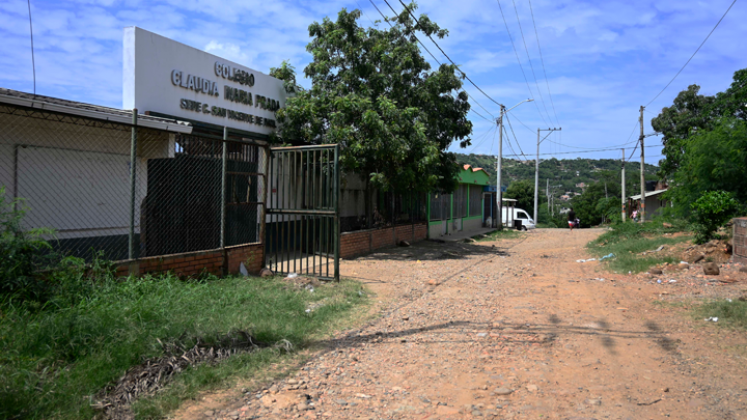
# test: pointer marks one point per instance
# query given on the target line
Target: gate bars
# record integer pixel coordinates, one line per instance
(303, 233)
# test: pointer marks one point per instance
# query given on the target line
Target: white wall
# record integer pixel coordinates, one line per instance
(75, 179)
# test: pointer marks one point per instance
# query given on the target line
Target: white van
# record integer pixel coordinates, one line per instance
(518, 214)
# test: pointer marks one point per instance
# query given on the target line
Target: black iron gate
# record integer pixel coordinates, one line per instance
(303, 226)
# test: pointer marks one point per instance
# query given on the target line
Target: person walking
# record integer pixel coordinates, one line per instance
(571, 219)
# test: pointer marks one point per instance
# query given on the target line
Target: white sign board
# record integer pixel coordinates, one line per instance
(167, 77)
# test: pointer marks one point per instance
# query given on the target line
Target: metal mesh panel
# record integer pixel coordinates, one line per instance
(76, 176)
(73, 177)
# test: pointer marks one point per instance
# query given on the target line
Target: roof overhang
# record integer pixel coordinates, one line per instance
(98, 113)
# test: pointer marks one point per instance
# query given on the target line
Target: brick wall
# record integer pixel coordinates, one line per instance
(363, 241)
(739, 251)
(195, 263)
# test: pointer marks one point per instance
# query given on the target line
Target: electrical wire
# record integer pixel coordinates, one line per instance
(616, 149)
(483, 137)
(529, 59)
(33, 61)
(515, 138)
(520, 122)
(586, 148)
(516, 52)
(444, 53)
(542, 60)
(429, 53)
(696, 51)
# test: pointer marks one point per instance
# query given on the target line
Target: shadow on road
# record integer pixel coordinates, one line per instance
(434, 251)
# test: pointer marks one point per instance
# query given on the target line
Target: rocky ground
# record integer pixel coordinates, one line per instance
(513, 330)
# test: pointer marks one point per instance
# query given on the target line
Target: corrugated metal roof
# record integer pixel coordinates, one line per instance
(82, 109)
(648, 194)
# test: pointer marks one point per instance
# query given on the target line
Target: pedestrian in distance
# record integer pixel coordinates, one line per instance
(571, 219)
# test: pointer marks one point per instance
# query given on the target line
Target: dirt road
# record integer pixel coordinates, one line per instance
(511, 330)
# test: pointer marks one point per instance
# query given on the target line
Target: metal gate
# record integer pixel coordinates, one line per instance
(303, 226)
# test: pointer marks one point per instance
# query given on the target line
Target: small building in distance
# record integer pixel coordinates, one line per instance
(464, 209)
(655, 203)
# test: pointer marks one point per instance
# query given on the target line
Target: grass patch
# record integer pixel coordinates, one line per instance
(628, 240)
(730, 314)
(497, 235)
(53, 360)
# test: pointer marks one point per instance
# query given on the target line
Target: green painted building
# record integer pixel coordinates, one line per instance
(462, 210)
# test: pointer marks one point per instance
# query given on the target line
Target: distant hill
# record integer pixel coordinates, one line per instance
(563, 174)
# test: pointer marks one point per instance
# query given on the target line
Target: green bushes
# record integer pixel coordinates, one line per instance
(710, 212)
(23, 253)
(68, 329)
(628, 240)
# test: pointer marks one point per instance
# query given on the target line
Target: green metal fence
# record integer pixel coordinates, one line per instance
(303, 229)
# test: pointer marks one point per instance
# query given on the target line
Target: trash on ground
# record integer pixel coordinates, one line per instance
(713, 318)
(673, 281)
(610, 255)
(242, 269)
(292, 276)
(589, 260)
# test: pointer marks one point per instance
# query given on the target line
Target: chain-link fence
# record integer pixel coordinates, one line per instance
(180, 193)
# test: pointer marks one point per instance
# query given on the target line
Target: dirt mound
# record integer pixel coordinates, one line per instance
(717, 251)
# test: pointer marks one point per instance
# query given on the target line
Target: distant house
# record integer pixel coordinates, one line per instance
(654, 203)
(565, 197)
(581, 185)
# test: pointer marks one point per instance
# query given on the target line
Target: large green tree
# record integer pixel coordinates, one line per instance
(689, 113)
(692, 113)
(373, 93)
(716, 160)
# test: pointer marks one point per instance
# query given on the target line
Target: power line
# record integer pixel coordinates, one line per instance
(542, 60)
(586, 148)
(531, 94)
(634, 149)
(429, 53)
(483, 137)
(444, 53)
(616, 149)
(520, 122)
(31, 31)
(529, 59)
(696, 51)
(515, 138)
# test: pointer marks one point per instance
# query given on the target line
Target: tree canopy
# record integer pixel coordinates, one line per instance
(374, 94)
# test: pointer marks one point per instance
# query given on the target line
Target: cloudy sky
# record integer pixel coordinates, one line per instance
(602, 59)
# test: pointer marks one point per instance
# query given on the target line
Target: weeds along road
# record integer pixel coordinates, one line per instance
(514, 329)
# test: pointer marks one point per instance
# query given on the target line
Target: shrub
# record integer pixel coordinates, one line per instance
(711, 211)
(23, 253)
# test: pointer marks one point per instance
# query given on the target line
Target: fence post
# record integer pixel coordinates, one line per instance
(133, 168)
(337, 212)
(223, 189)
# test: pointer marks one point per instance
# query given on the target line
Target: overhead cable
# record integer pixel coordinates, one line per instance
(542, 60)
(429, 53)
(529, 59)
(696, 51)
(444, 53)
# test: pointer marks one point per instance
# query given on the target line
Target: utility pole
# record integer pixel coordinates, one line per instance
(642, 209)
(623, 186)
(499, 191)
(547, 193)
(537, 168)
